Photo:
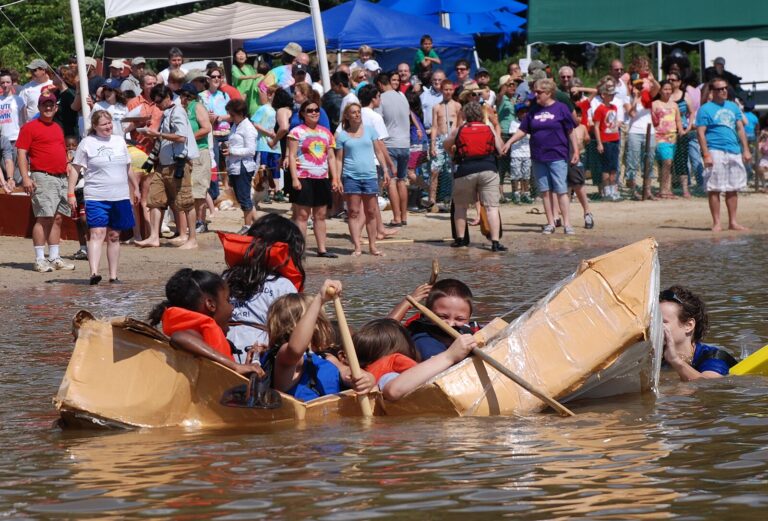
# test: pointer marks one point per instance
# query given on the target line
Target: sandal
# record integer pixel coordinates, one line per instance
(327, 255)
(94, 280)
(393, 224)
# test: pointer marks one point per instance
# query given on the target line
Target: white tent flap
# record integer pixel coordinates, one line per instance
(115, 8)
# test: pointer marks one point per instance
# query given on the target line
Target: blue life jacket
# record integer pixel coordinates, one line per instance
(711, 358)
(319, 377)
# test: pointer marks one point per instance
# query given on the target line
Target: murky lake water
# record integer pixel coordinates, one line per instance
(697, 451)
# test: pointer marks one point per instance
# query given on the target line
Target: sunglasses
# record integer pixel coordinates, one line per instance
(474, 94)
(619, 70)
(564, 77)
(311, 111)
(461, 69)
(669, 296)
(719, 88)
(215, 76)
(537, 92)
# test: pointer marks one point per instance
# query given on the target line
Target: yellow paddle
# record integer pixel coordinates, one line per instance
(349, 349)
(488, 359)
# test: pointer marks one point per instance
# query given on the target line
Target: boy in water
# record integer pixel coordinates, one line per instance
(444, 118)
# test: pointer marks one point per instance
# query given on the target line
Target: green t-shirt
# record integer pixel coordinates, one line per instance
(202, 142)
(248, 88)
(563, 97)
(420, 58)
(506, 112)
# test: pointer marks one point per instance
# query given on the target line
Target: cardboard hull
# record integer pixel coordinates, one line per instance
(595, 334)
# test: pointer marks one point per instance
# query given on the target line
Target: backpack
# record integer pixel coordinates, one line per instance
(474, 140)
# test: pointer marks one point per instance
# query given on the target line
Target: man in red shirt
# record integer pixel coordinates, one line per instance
(608, 138)
(42, 158)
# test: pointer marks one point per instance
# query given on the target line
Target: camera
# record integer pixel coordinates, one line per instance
(181, 163)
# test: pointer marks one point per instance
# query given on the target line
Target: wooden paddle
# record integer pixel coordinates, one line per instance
(349, 349)
(435, 272)
(488, 359)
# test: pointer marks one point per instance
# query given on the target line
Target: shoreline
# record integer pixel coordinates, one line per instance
(426, 236)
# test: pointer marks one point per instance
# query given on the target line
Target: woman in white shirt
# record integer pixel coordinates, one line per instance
(109, 191)
(240, 153)
(114, 103)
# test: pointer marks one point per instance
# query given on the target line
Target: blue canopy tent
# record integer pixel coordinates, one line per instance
(487, 17)
(393, 34)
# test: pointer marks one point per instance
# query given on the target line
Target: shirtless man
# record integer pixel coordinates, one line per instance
(444, 118)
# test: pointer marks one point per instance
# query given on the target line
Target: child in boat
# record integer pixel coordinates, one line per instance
(449, 299)
(299, 332)
(196, 316)
(386, 350)
(272, 267)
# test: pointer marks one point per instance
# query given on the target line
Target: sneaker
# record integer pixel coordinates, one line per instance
(202, 227)
(80, 255)
(243, 230)
(548, 229)
(460, 243)
(59, 264)
(165, 229)
(569, 230)
(42, 266)
(526, 199)
(516, 198)
(497, 246)
(616, 198)
(589, 221)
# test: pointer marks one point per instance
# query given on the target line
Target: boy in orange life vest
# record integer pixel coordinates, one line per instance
(476, 147)
(196, 315)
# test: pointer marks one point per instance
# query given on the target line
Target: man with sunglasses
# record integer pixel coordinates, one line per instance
(31, 91)
(617, 71)
(685, 320)
(720, 130)
(462, 75)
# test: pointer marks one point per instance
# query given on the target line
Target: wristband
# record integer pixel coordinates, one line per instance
(70, 195)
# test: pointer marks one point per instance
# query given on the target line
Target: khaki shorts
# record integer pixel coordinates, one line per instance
(201, 174)
(164, 189)
(50, 196)
(483, 184)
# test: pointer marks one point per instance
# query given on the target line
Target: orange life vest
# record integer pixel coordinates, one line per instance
(181, 319)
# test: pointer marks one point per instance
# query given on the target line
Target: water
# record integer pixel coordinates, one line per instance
(698, 451)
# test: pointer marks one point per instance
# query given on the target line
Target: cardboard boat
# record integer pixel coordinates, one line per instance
(596, 334)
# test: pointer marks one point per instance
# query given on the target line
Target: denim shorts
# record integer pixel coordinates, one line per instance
(241, 184)
(610, 156)
(551, 176)
(400, 158)
(117, 215)
(360, 186)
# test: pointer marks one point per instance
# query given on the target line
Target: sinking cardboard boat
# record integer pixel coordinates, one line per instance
(596, 334)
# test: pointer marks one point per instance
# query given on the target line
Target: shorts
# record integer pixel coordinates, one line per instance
(665, 151)
(164, 189)
(360, 186)
(609, 159)
(201, 175)
(241, 184)
(270, 161)
(138, 158)
(50, 196)
(314, 193)
(400, 157)
(727, 173)
(117, 215)
(519, 168)
(416, 158)
(551, 176)
(483, 185)
(576, 175)
(441, 160)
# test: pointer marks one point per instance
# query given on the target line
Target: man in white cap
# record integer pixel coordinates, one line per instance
(115, 74)
(282, 75)
(31, 91)
(132, 84)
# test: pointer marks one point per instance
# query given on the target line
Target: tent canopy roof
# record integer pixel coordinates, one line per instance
(606, 21)
(211, 29)
(355, 23)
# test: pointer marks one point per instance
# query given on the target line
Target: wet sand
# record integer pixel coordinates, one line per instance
(425, 236)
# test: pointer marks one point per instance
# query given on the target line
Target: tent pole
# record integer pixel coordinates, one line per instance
(658, 60)
(82, 74)
(477, 58)
(322, 58)
(338, 57)
(445, 20)
(528, 52)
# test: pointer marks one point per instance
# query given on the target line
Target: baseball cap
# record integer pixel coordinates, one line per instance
(37, 64)
(116, 64)
(90, 62)
(719, 61)
(608, 89)
(371, 65)
(138, 60)
(481, 70)
(536, 65)
(187, 88)
(503, 80)
(45, 98)
(536, 75)
(299, 67)
(292, 48)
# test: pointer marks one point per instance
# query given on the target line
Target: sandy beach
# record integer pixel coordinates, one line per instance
(425, 236)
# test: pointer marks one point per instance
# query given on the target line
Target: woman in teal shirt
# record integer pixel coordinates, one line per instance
(246, 80)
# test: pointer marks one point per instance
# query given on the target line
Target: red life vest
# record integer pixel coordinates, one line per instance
(181, 319)
(394, 363)
(474, 140)
(278, 257)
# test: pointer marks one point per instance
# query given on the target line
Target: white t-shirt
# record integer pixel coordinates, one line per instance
(30, 93)
(255, 312)
(118, 111)
(106, 163)
(521, 149)
(346, 100)
(639, 123)
(371, 118)
(11, 116)
(429, 98)
(165, 72)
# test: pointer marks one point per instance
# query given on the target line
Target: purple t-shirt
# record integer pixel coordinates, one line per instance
(549, 128)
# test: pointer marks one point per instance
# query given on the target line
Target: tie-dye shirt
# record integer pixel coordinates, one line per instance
(282, 76)
(312, 154)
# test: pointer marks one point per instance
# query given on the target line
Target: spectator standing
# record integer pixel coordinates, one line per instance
(717, 70)
(32, 90)
(445, 117)
(7, 183)
(483, 80)
(462, 76)
(620, 81)
(103, 159)
(115, 79)
(396, 113)
(245, 79)
(519, 159)
(265, 123)
(364, 53)
(42, 158)
(12, 115)
(131, 85)
(505, 111)
(175, 60)
(240, 152)
(404, 73)
(638, 110)
(200, 124)
(425, 58)
(666, 118)
(684, 106)
(282, 75)
(608, 139)
(432, 96)
(721, 137)
(114, 103)
(340, 85)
